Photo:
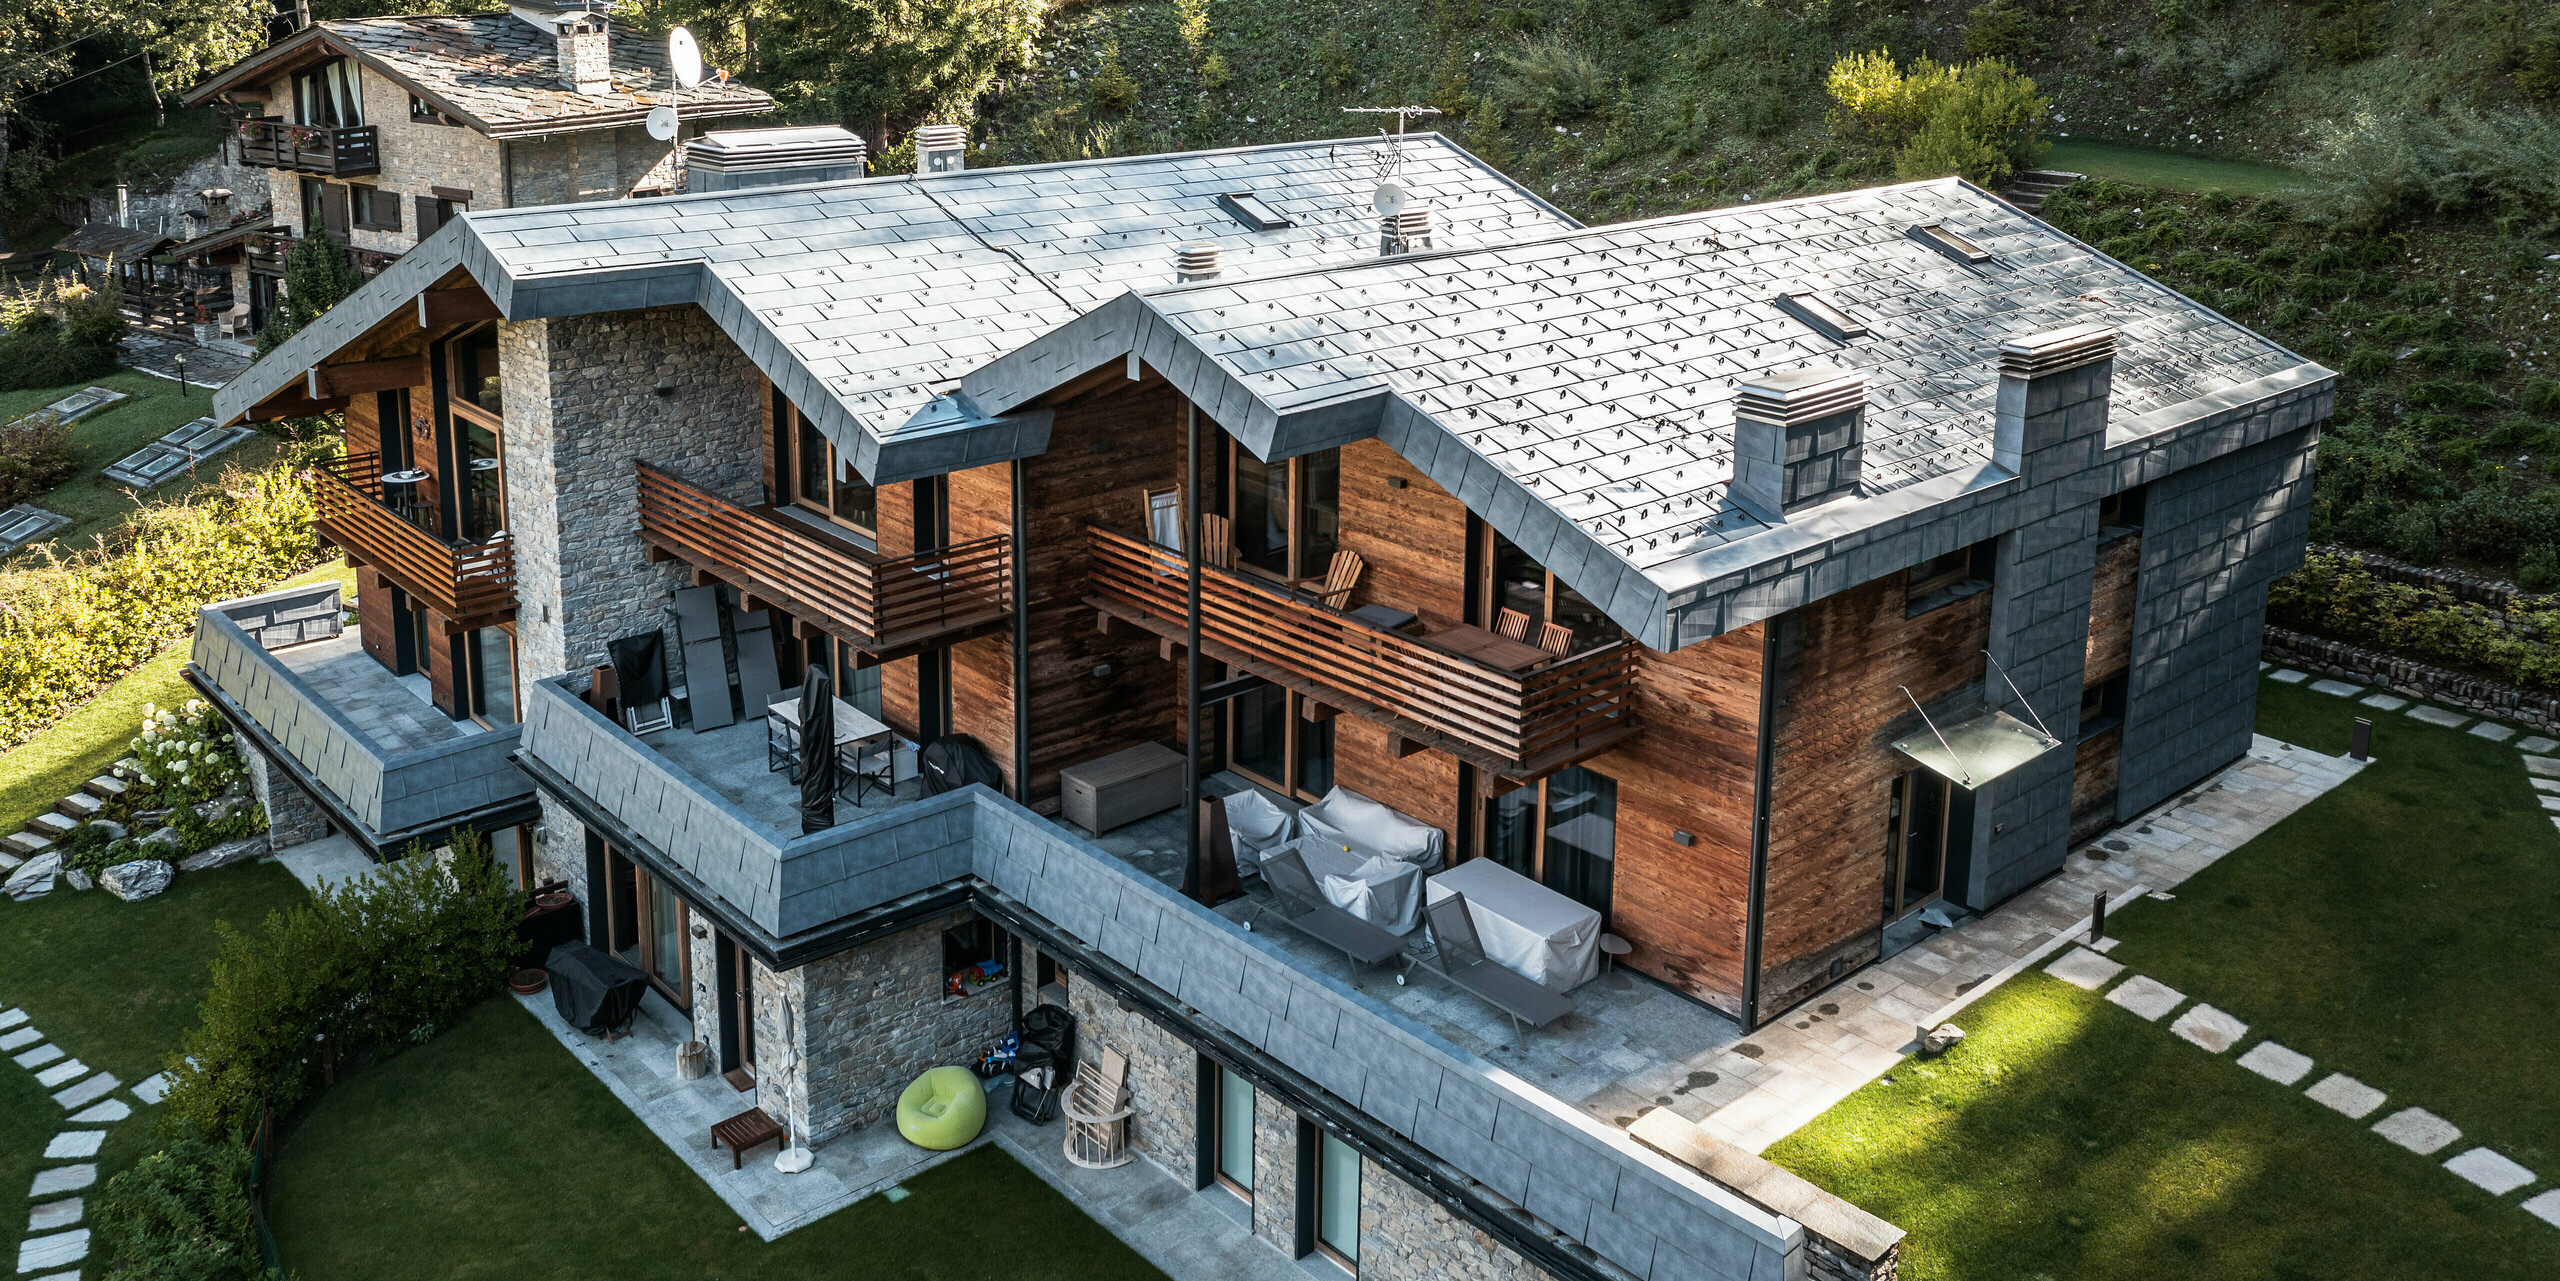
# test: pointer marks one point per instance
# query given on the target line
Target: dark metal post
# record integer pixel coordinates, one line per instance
(1191, 652)
(2098, 918)
(2360, 742)
(1019, 553)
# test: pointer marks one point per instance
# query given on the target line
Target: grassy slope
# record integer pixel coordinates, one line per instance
(84, 743)
(489, 1152)
(98, 505)
(2390, 930)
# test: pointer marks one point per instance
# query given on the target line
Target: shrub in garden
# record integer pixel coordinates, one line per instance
(35, 455)
(181, 1214)
(183, 758)
(59, 334)
(2412, 536)
(366, 966)
(1979, 120)
(76, 624)
(2337, 597)
(2541, 395)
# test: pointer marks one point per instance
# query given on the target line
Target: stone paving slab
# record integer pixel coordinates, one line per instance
(54, 1216)
(2418, 1130)
(2542, 766)
(2489, 1172)
(12, 1018)
(2545, 784)
(87, 1092)
(2083, 968)
(2438, 716)
(104, 1113)
(39, 1056)
(71, 1144)
(2545, 1207)
(65, 1178)
(153, 1088)
(20, 1039)
(2384, 702)
(53, 1251)
(2148, 998)
(2276, 1063)
(2537, 744)
(2493, 731)
(62, 1073)
(2288, 676)
(2337, 689)
(2209, 1028)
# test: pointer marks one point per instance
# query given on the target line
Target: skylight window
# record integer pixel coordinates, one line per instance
(1821, 317)
(1248, 208)
(1949, 243)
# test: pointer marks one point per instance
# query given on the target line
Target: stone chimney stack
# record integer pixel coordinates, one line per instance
(586, 54)
(941, 149)
(1798, 439)
(2053, 391)
(217, 207)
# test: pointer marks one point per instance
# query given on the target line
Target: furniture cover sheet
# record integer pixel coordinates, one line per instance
(1385, 892)
(1345, 817)
(1527, 928)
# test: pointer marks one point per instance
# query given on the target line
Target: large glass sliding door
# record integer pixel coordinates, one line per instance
(1561, 831)
(1287, 525)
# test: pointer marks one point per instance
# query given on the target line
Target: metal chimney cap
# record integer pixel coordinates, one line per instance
(1195, 262)
(937, 137)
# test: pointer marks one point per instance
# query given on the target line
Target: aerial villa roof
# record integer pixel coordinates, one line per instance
(495, 72)
(1575, 386)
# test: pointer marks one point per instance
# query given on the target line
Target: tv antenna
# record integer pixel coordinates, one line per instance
(1390, 161)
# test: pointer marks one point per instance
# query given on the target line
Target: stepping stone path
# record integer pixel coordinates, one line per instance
(64, 1178)
(2493, 731)
(2438, 716)
(2416, 1129)
(2337, 689)
(2538, 745)
(73, 1144)
(54, 1216)
(53, 1251)
(51, 1241)
(2289, 677)
(2384, 702)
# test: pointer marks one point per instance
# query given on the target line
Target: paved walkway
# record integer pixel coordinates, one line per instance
(54, 1243)
(206, 367)
(1763, 1089)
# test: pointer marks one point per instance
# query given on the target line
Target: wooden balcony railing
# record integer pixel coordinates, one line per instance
(471, 584)
(321, 149)
(883, 605)
(1520, 725)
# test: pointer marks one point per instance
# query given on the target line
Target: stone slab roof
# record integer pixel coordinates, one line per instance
(495, 72)
(866, 301)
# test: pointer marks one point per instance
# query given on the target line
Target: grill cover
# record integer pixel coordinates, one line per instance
(593, 992)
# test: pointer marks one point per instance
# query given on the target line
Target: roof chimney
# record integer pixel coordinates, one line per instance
(586, 56)
(1798, 439)
(941, 149)
(727, 159)
(1195, 262)
(2053, 391)
(217, 207)
(1406, 231)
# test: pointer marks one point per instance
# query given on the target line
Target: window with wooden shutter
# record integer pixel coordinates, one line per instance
(430, 216)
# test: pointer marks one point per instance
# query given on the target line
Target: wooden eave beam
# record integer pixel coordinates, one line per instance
(293, 404)
(358, 377)
(440, 307)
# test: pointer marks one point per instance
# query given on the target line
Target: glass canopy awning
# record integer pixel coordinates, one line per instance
(1970, 753)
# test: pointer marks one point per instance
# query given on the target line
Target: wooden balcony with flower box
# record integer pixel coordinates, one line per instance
(1521, 724)
(886, 606)
(471, 584)
(331, 152)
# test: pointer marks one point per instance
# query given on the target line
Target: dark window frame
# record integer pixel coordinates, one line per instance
(1940, 581)
(366, 204)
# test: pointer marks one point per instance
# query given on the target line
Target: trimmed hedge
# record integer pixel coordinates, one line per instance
(71, 626)
(2339, 598)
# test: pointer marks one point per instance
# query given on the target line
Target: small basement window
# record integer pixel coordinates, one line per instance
(969, 960)
(1941, 581)
(2102, 706)
(2121, 512)
(1249, 209)
(1938, 237)
(1821, 317)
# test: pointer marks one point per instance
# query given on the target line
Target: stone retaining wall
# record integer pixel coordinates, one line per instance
(2476, 589)
(2476, 694)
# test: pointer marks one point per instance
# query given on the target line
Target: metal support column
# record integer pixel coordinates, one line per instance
(1191, 654)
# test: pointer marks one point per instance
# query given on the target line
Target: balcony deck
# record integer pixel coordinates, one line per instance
(314, 149)
(393, 711)
(1520, 725)
(731, 761)
(470, 584)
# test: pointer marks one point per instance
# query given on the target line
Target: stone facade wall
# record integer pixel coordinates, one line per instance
(865, 1023)
(1407, 1236)
(1275, 1173)
(416, 156)
(293, 818)
(581, 407)
(1164, 1081)
(590, 164)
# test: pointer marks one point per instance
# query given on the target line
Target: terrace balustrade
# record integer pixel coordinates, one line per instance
(331, 152)
(471, 583)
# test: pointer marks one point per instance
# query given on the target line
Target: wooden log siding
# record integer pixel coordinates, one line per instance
(470, 584)
(878, 603)
(1520, 725)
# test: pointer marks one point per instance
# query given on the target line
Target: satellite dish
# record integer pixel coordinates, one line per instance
(662, 123)
(1389, 198)
(684, 57)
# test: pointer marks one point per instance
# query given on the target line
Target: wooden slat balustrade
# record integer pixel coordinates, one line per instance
(471, 584)
(1520, 725)
(879, 604)
(336, 152)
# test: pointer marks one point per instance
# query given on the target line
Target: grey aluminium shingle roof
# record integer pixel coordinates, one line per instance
(1596, 370)
(867, 300)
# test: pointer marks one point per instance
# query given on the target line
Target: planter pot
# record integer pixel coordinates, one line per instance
(552, 900)
(528, 982)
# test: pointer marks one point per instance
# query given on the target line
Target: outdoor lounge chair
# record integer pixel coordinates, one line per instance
(1303, 905)
(1462, 961)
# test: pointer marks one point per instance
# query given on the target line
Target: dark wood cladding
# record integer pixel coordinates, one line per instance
(2111, 608)
(1692, 771)
(1518, 724)
(1094, 693)
(2094, 771)
(880, 604)
(1839, 708)
(471, 584)
(981, 505)
(1413, 539)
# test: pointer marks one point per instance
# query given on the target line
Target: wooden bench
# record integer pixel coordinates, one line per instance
(743, 1131)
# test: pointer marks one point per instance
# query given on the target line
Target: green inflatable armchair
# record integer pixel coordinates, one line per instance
(943, 1109)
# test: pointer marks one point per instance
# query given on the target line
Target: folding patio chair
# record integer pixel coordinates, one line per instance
(1462, 961)
(1304, 907)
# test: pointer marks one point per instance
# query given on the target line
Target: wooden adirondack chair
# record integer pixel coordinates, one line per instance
(1339, 578)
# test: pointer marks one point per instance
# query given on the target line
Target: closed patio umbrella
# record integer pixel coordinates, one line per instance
(817, 773)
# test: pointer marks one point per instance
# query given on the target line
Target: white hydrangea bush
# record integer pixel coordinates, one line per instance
(183, 754)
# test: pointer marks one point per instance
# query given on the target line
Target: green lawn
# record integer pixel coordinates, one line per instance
(490, 1152)
(81, 745)
(2165, 169)
(97, 505)
(2399, 929)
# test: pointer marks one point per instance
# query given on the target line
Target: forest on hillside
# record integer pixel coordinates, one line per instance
(2395, 215)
